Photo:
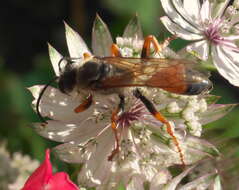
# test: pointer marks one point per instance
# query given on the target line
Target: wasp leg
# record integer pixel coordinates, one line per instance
(115, 51)
(87, 55)
(157, 115)
(114, 119)
(84, 105)
(158, 47)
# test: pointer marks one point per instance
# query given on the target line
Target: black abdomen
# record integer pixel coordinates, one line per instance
(199, 87)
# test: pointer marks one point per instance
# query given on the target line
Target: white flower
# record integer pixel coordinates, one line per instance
(146, 148)
(14, 169)
(213, 27)
(25, 166)
(207, 180)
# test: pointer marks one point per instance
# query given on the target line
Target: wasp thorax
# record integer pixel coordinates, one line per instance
(91, 74)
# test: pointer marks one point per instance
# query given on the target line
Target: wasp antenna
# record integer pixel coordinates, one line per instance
(39, 99)
(61, 61)
(97, 14)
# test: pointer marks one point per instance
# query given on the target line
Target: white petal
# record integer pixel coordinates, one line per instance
(55, 57)
(219, 8)
(76, 45)
(101, 38)
(205, 12)
(161, 178)
(96, 149)
(231, 37)
(133, 29)
(217, 183)
(177, 18)
(181, 32)
(199, 49)
(61, 131)
(201, 183)
(59, 106)
(179, 8)
(192, 8)
(175, 181)
(97, 170)
(136, 182)
(226, 62)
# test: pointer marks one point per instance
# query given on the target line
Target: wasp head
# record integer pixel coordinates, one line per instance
(67, 79)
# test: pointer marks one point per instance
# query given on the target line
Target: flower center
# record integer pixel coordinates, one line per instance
(212, 32)
(133, 114)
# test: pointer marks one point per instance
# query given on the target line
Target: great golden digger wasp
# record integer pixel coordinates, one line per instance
(113, 74)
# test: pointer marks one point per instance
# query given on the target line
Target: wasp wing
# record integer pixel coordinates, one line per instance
(173, 75)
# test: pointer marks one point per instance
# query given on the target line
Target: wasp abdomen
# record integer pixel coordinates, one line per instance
(198, 87)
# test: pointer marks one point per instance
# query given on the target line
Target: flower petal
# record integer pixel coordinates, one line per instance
(136, 182)
(192, 8)
(177, 18)
(219, 8)
(205, 12)
(217, 183)
(199, 49)
(198, 148)
(133, 29)
(160, 179)
(62, 181)
(200, 183)
(176, 180)
(81, 150)
(179, 31)
(55, 58)
(180, 9)
(40, 176)
(97, 170)
(211, 99)
(101, 38)
(227, 64)
(76, 45)
(62, 131)
(59, 106)
(215, 112)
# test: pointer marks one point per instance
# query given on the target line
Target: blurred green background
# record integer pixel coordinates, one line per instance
(26, 27)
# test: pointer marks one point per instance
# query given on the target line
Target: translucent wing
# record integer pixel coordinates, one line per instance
(173, 75)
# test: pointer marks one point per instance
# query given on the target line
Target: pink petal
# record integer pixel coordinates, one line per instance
(40, 176)
(61, 181)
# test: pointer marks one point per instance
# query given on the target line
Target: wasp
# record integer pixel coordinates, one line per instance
(113, 74)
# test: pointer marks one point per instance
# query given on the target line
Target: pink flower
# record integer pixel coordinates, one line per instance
(44, 179)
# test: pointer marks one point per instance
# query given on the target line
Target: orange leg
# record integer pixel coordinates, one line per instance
(87, 55)
(115, 51)
(116, 149)
(114, 119)
(84, 105)
(157, 46)
(148, 104)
